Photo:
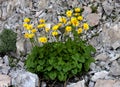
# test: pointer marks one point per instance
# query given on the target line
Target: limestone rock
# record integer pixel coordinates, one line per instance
(101, 56)
(116, 45)
(5, 80)
(20, 44)
(108, 8)
(6, 60)
(87, 11)
(107, 83)
(115, 68)
(99, 75)
(21, 78)
(93, 19)
(104, 83)
(78, 84)
(110, 35)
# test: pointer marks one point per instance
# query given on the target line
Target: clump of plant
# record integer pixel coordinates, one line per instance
(59, 52)
(7, 41)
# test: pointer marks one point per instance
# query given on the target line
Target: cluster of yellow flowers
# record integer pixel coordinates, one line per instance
(72, 21)
(32, 30)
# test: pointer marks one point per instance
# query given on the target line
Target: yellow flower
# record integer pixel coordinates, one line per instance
(69, 22)
(55, 27)
(26, 35)
(33, 30)
(31, 35)
(76, 14)
(59, 24)
(79, 31)
(77, 9)
(80, 18)
(30, 26)
(41, 26)
(26, 20)
(54, 33)
(68, 28)
(69, 13)
(25, 25)
(85, 26)
(42, 39)
(63, 20)
(74, 21)
(47, 29)
(42, 21)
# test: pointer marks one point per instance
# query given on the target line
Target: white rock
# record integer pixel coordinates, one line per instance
(6, 60)
(87, 10)
(115, 68)
(21, 78)
(116, 45)
(20, 45)
(101, 56)
(5, 69)
(108, 8)
(99, 75)
(91, 84)
(5, 80)
(95, 19)
(104, 83)
(78, 84)
(110, 35)
(115, 57)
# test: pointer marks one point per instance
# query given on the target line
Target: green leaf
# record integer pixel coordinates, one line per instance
(87, 63)
(62, 77)
(74, 71)
(51, 61)
(41, 62)
(76, 57)
(49, 68)
(52, 75)
(39, 68)
(81, 59)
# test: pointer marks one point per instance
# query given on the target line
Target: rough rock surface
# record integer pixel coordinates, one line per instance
(106, 20)
(21, 78)
(5, 80)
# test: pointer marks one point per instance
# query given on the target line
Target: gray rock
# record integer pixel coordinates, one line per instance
(91, 84)
(20, 44)
(101, 56)
(116, 45)
(6, 60)
(115, 68)
(108, 7)
(104, 83)
(99, 75)
(110, 35)
(87, 11)
(93, 66)
(5, 69)
(115, 57)
(78, 84)
(43, 84)
(5, 80)
(1, 60)
(95, 19)
(21, 64)
(21, 78)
